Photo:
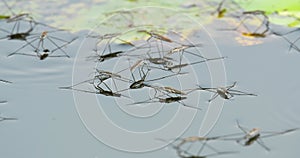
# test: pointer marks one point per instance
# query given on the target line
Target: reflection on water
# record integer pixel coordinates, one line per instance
(47, 119)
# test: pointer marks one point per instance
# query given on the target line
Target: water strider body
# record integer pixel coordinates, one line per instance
(224, 92)
(108, 56)
(22, 36)
(155, 35)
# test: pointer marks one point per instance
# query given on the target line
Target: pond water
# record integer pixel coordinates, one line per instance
(53, 122)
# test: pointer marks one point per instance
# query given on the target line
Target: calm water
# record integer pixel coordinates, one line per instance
(51, 122)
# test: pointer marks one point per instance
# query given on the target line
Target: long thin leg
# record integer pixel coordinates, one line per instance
(106, 86)
(59, 48)
(193, 107)
(71, 87)
(18, 27)
(241, 128)
(213, 97)
(8, 7)
(231, 86)
(212, 148)
(25, 54)
(202, 147)
(28, 43)
(206, 60)
(144, 102)
(242, 93)
(293, 45)
(160, 78)
(219, 153)
(5, 30)
(262, 144)
(271, 134)
(200, 56)
(56, 38)
(131, 72)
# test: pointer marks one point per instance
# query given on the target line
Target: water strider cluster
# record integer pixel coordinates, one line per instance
(150, 63)
(153, 62)
(39, 38)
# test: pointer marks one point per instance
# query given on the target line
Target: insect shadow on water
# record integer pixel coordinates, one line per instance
(292, 43)
(17, 21)
(225, 7)
(2, 118)
(224, 92)
(168, 95)
(139, 83)
(247, 29)
(157, 38)
(17, 35)
(249, 136)
(4, 81)
(97, 81)
(40, 50)
(185, 146)
(220, 10)
(102, 76)
(102, 56)
(166, 98)
(122, 16)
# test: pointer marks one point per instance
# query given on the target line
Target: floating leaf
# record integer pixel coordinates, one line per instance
(288, 11)
(4, 17)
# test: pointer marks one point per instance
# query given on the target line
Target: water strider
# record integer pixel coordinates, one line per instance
(166, 98)
(224, 92)
(249, 136)
(183, 49)
(17, 35)
(155, 35)
(40, 50)
(187, 152)
(98, 89)
(248, 29)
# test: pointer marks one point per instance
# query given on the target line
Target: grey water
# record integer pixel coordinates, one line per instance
(51, 124)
